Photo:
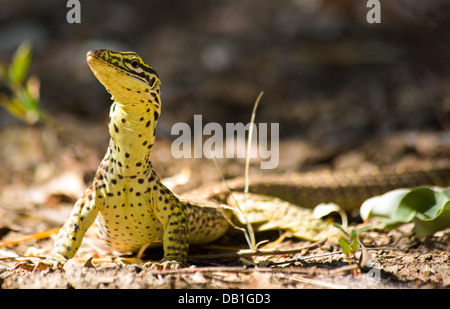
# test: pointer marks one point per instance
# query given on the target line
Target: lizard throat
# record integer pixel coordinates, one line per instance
(132, 131)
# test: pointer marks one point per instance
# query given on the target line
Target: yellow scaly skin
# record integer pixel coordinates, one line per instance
(132, 207)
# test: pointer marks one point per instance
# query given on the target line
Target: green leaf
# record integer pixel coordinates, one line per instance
(440, 201)
(425, 228)
(345, 246)
(387, 206)
(427, 207)
(436, 218)
(21, 60)
(12, 106)
(420, 199)
(354, 245)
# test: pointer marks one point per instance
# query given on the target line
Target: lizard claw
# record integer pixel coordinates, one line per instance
(164, 265)
(28, 265)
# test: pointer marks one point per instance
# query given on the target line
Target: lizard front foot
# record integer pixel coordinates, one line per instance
(164, 265)
(28, 265)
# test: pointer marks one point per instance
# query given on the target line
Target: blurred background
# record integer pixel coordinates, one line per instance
(346, 93)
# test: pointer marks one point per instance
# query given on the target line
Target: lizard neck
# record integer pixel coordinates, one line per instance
(132, 130)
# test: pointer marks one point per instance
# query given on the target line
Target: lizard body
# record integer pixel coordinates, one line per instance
(134, 209)
(345, 188)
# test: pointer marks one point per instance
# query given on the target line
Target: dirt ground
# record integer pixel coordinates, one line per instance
(40, 199)
(412, 264)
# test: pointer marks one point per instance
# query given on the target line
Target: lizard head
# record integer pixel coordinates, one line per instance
(126, 76)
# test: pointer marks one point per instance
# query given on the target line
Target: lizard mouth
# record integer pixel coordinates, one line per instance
(108, 58)
(99, 54)
(102, 54)
(94, 56)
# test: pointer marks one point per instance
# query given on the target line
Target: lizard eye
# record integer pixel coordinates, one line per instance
(135, 63)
